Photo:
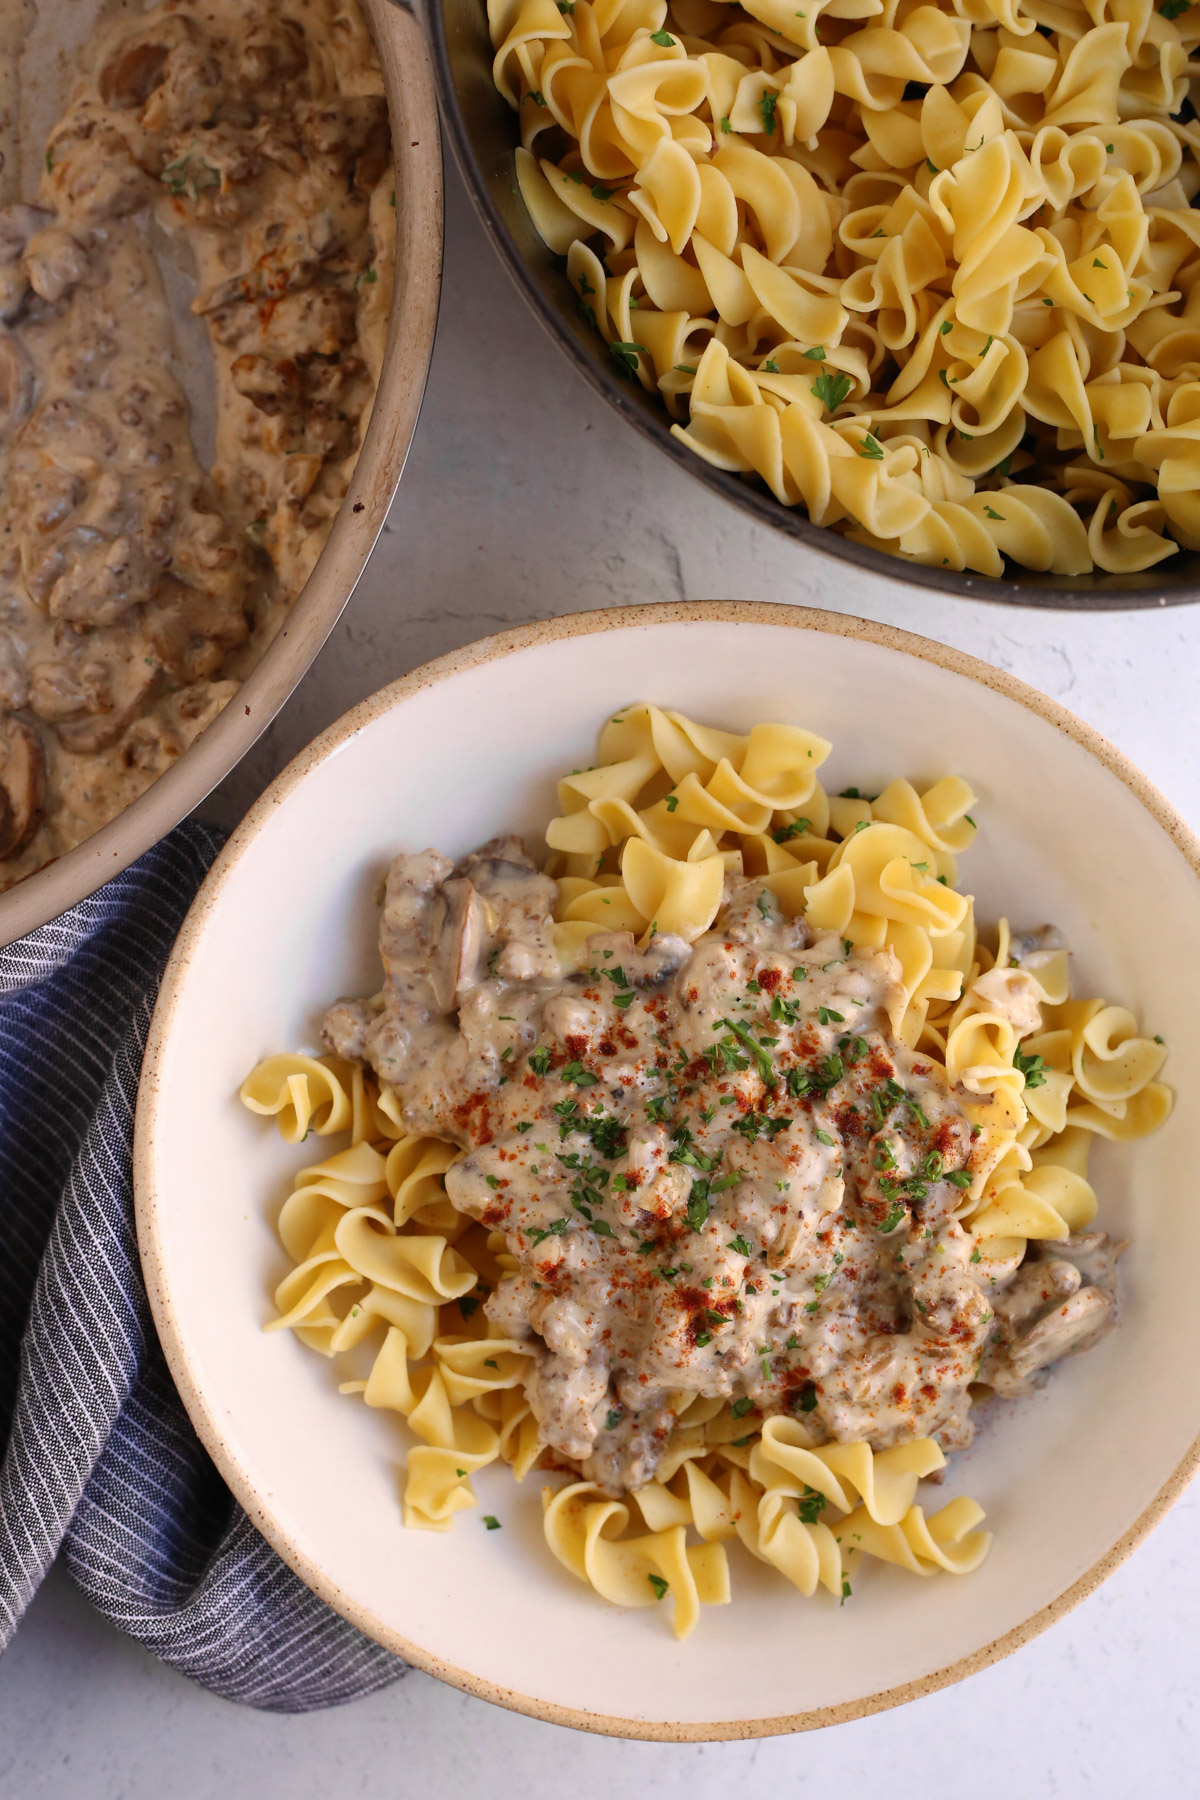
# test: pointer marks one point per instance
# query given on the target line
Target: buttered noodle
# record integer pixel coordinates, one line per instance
(716, 1167)
(926, 270)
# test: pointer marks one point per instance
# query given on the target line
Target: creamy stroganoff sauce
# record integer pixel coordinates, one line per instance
(716, 1167)
(138, 588)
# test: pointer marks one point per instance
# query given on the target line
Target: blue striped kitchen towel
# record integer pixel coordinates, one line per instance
(100, 1461)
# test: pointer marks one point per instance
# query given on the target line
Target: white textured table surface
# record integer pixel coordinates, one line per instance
(524, 498)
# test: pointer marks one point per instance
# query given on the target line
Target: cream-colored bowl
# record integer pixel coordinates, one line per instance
(44, 71)
(1070, 1479)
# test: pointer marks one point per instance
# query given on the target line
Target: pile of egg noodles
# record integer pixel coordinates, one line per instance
(928, 271)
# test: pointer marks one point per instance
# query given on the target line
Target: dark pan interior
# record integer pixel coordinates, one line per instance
(483, 133)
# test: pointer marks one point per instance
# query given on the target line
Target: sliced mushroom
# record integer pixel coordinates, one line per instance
(17, 225)
(1078, 1321)
(55, 261)
(1037, 1286)
(100, 731)
(457, 924)
(132, 72)
(14, 681)
(1092, 1253)
(16, 384)
(23, 781)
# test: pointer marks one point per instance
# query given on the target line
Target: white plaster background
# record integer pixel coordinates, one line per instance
(524, 498)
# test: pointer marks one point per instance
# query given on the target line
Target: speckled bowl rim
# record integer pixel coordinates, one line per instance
(148, 1202)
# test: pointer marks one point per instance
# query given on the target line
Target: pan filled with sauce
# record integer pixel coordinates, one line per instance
(220, 244)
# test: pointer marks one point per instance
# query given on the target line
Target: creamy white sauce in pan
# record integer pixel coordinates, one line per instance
(137, 588)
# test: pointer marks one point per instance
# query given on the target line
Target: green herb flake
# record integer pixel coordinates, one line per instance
(661, 1588)
(491, 1521)
(831, 389)
(662, 38)
(871, 448)
(626, 355)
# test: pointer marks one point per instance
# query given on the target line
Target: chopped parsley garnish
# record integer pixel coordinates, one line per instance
(817, 354)
(811, 1505)
(975, 1256)
(743, 1249)
(894, 1218)
(786, 833)
(741, 1407)
(1033, 1068)
(831, 389)
(537, 1236)
(823, 1137)
(673, 799)
(767, 103)
(626, 356)
(763, 903)
(808, 1398)
(697, 1210)
(614, 1418)
(575, 1071)
(871, 448)
(826, 1015)
(539, 1060)
(491, 1521)
(662, 38)
(756, 1048)
(661, 1588)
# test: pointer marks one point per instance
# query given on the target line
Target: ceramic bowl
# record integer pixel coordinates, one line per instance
(408, 81)
(1071, 1478)
(482, 130)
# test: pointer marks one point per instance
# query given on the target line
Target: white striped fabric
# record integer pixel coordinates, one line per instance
(99, 1459)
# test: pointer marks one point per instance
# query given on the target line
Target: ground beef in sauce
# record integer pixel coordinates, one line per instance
(718, 1169)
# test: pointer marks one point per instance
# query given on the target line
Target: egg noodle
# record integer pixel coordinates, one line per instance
(926, 270)
(644, 842)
